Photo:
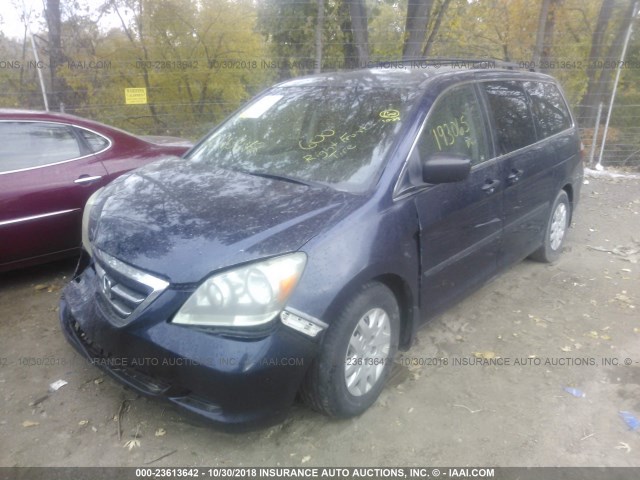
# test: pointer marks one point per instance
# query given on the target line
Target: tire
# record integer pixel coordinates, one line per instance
(556, 230)
(354, 360)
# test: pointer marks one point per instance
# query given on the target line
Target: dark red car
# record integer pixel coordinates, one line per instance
(50, 163)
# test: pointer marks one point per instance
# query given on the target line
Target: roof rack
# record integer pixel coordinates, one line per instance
(444, 61)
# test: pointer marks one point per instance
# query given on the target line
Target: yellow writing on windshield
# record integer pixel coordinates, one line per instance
(390, 115)
(317, 139)
(336, 147)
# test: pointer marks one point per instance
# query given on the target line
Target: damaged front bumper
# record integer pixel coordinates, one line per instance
(230, 380)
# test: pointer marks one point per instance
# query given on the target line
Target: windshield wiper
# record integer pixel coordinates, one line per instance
(285, 178)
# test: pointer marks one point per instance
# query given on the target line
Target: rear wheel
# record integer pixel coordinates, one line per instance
(556, 230)
(356, 355)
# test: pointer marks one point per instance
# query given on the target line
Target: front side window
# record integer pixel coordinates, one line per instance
(338, 136)
(35, 144)
(511, 115)
(549, 108)
(455, 125)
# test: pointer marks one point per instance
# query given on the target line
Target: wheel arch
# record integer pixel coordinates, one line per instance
(401, 290)
(568, 188)
(406, 304)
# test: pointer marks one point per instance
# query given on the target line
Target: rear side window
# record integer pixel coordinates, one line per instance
(549, 108)
(96, 142)
(35, 144)
(511, 115)
(456, 126)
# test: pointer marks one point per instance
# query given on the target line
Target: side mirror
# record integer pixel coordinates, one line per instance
(445, 168)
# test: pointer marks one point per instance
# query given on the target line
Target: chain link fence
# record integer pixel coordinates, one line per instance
(622, 146)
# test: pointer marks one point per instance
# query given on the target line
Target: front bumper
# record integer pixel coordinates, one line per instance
(228, 380)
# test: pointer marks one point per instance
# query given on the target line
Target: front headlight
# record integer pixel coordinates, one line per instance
(243, 297)
(86, 216)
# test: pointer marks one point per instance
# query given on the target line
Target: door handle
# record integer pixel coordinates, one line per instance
(87, 179)
(515, 175)
(490, 186)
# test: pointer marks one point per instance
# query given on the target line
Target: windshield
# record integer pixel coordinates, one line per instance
(336, 136)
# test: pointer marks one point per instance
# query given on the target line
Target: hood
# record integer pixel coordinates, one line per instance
(183, 221)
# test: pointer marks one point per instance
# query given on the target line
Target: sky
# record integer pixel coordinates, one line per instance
(12, 26)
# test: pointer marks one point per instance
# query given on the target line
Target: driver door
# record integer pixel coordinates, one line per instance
(460, 223)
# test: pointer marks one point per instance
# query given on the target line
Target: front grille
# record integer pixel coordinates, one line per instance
(124, 291)
(102, 358)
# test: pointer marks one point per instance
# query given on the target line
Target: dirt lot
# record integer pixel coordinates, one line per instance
(560, 322)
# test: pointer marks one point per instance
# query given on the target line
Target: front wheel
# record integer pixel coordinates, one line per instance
(356, 355)
(556, 230)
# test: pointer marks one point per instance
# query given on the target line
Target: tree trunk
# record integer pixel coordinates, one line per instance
(415, 30)
(56, 55)
(592, 96)
(545, 33)
(436, 28)
(603, 84)
(359, 30)
(542, 29)
(319, 28)
(549, 31)
(145, 72)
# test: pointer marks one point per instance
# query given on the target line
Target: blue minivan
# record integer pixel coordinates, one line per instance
(302, 242)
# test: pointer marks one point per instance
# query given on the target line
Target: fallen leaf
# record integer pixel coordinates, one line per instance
(131, 444)
(83, 422)
(161, 432)
(623, 298)
(566, 348)
(29, 423)
(484, 355)
(40, 287)
(623, 446)
(306, 458)
(57, 385)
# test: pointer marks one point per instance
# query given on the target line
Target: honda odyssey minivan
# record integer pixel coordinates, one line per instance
(303, 241)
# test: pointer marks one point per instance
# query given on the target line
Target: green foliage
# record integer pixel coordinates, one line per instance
(198, 61)
(18, 76)
(386, 26)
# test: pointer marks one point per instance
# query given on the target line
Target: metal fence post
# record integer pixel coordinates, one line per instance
(596, 129)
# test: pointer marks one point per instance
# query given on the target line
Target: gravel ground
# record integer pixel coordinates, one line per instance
(537, 329)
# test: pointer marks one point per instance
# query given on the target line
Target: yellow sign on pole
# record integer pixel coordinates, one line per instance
(135, 96)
